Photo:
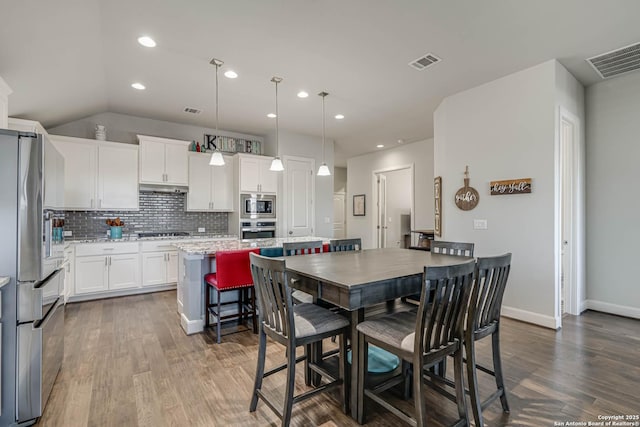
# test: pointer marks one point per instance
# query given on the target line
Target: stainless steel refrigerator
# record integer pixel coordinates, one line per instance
(32, 316)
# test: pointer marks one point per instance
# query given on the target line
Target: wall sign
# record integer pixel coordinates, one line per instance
(510, 186)
(467, 197)
(437, 191)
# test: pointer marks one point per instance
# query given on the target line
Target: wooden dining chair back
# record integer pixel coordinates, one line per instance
(483, 320)
(422, 339)
(292, 326)
(302, 248)
(452, 248)
(339, 245)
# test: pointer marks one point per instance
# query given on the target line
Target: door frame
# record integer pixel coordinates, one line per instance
(284, 206)
(572, 157)
(374, 192)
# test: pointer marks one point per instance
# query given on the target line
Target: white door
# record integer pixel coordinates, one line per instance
(176, 163)
(268, 178)
(80, 164)
(299, 195)
(123, 271)
(382, 211)
(154, 268)
(222, 186)
(199, 195)
(339, 216)
(151, 162)
(91, 274)
(117, 177)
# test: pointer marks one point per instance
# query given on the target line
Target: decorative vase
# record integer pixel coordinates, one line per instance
(116, 232)
(101, 133)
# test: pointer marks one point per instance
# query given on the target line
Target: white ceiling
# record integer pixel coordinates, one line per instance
(73, 58)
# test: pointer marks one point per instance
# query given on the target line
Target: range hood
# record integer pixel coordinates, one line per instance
(163, 188)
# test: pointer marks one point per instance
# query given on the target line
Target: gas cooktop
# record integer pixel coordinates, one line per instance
(163, 234)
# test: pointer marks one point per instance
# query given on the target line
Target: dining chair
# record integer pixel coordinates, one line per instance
(452, 248)
(422, 338)
(233, 273)
(338, 245)
(292, 326)
(483, 320)
(302, 248)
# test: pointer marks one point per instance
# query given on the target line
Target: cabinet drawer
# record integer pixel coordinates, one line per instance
(106, 248)
(158, 246)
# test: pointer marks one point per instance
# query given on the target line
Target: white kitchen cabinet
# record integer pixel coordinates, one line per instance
(69, 274)
(163, 161)
(255, 176)
(102, 267)
(210, 187)
(159, 263)
(98, 175)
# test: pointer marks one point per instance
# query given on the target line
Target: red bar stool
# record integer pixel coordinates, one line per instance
(233, 273)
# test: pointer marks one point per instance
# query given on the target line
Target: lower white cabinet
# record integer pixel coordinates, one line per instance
(102, 267)
(159, 263)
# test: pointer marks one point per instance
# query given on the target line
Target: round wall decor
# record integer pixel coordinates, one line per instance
(467, 197)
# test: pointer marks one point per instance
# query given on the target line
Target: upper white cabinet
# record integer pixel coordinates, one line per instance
(98, 175)
(210, 187)
(255, 175)
(163, 161)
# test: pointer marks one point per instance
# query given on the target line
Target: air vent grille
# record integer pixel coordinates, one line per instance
(191, 110)
(424, 62)
(617, 62)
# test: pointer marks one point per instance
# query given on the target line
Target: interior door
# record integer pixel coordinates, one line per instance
(299, 196)
(382, 211)
(339, 215)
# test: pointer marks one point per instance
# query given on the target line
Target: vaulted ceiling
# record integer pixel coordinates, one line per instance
(68, 59)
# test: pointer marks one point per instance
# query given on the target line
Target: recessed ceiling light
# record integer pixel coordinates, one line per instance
(271, 116)
(147, 41)
(138, 86)
(380, 146)
(230, 74)
(302, 94)
(401, 141)
(339, 116)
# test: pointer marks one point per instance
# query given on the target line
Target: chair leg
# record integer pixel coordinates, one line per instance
(418, 392)
(458, 367)
(307, 370)
(254, 311)
(218, 324)
(344, 369)
(363, 367)
(207, 302)
(472, 379)
(497, 368)
(257, 385)
(291, 379)
(240, 308)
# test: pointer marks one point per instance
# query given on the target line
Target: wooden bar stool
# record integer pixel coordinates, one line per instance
(233, 273)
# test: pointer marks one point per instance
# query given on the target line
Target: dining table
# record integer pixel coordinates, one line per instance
(355, 280)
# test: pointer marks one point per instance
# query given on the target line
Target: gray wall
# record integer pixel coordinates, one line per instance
(613, 233)
(158, 212)
(340, 180)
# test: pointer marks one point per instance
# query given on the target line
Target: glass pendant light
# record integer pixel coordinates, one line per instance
(276, 164)
(216, 156)
(323, 170)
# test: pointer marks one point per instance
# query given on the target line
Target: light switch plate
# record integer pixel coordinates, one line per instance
(200, 229)
(327, 220)
(479, 224)
(68, 233)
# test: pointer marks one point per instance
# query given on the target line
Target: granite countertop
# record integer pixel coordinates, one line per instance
(134, 238)
(4, 280)
(210, 247)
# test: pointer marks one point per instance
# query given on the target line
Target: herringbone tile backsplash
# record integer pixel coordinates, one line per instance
(158, 212)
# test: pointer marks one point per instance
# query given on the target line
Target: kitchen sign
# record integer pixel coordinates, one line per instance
(510, 186)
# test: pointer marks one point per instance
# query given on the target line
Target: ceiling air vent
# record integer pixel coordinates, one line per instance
(192, 110)
(617, 62)
(424, 61)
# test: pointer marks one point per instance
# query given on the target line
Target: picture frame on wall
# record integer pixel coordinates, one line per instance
(359, 205)
(437, 198)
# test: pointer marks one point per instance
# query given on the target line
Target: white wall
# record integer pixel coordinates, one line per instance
(292, 144)
(360, 176)
(613, 232)
(501, 130)
(124, 128)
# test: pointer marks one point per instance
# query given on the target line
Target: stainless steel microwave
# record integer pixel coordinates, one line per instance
(255, 206)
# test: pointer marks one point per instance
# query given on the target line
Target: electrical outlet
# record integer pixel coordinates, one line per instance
(479, 224)
(68, 233)
(327, 220)
(200, 229)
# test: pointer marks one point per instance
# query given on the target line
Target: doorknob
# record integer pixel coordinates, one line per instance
(290, 232)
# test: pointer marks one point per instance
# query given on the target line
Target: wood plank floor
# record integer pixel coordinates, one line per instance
(128, 363)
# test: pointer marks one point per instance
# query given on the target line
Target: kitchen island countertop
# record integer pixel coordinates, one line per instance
(210, 247)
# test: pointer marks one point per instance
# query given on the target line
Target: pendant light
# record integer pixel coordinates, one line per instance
(276, 164)
(323, 170)
(216, 156)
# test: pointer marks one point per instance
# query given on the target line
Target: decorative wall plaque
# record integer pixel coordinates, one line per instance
(437, 191)
(467, 197)
(511, 186)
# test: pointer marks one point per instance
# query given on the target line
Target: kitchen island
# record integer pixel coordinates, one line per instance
(195, 259)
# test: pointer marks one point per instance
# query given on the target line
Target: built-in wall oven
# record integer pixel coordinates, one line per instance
(257, 206)
(258, 229)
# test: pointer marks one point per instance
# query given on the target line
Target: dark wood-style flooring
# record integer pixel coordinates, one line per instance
(128, 363)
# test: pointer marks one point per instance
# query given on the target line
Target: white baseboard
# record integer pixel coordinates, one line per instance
(119, 293)
(620, 310)
(191, 326)
(531, 317)
(583, 306)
